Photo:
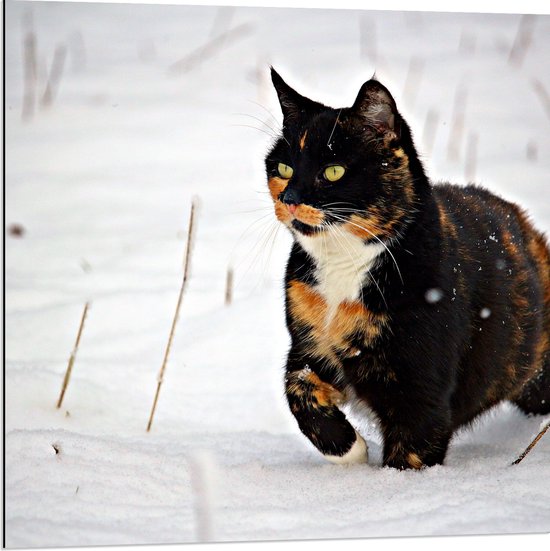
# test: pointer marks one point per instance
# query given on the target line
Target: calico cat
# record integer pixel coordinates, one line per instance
(427, 304)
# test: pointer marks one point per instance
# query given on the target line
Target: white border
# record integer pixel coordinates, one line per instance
(472, 6)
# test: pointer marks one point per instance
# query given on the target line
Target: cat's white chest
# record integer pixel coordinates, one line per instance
(342, 264)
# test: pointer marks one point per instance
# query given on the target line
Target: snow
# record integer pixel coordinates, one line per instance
(102, 182)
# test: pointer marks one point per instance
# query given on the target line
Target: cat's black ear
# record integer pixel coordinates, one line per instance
(376, 105)
(293, 105)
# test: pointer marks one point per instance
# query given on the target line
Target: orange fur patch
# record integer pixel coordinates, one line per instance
(542, 346)
(539, 251)
(364, 228)
(304, 213)
(303, 141)
(282, 213)
(446, 225)
(309, 215)
(325, 394)
(509, 245)
(330, 331)
(312, 390)
(414, 461)
(276, 187)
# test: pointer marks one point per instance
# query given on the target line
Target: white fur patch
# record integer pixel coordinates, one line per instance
(342, 261)
(357, 454)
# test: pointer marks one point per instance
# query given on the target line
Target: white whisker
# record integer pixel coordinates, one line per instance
(261, 121)
(256, 128)
(268, 111)
(375, 237)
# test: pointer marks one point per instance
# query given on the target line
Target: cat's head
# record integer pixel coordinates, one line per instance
(354, 169)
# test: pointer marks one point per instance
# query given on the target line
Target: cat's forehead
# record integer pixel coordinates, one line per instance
(325, 122)
(323, 131)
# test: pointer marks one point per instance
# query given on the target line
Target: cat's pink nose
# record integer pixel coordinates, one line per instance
(292, 208)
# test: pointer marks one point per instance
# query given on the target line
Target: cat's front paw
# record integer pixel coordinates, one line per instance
(358, 453)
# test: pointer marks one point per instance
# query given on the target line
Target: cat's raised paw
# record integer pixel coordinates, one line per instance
(358, 453)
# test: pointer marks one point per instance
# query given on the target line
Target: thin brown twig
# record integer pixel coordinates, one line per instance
(412, 81)
(222, 20)
(30, 75)
(54, 78)
(532, 444)
(212, 47)
(523, 40)
(430, 130)
(187, 262)
(72, 358)
(457, 124)
(542, 94)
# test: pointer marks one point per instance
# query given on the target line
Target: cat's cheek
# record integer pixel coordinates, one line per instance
(365, 228)
(309, 215)
(276, 187)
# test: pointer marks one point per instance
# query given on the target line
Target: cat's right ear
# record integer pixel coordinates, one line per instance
(376, 105)
(294, 106)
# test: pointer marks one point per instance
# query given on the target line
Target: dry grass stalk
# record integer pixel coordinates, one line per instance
(211, 48)
(532, 444)
(430, 130)
(542, 94)
(229, 287)
(457, 124)
(54, 78)
(72, 358)
(523, 40)
(30, 75)
(222, 21)
(187, 262)
(412, 81)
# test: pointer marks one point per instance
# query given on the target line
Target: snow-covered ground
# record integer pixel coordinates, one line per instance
(101, 183)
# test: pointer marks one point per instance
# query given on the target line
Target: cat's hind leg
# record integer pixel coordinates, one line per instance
(314, 404)
(535, 396)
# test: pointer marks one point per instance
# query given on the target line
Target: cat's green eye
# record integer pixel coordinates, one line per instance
(285, 171)
(334, 172)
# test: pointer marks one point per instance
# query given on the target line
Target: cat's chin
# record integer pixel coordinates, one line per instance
(305, 229)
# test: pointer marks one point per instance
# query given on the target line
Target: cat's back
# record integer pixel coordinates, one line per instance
(483, 222)
(494, 245)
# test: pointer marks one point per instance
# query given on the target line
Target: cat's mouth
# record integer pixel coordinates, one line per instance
(305, 219)
(305, 229)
